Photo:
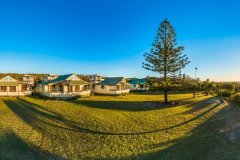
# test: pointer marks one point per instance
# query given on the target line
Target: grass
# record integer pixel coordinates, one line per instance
(136, 126)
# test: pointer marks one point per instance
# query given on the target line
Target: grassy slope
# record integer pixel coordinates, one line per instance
(127, 127)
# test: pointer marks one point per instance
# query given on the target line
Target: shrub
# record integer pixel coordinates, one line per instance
(236, 98)
(225, 94)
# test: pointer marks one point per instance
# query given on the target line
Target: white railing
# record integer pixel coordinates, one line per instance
(123, 91)
(67, 94)
(16, 93)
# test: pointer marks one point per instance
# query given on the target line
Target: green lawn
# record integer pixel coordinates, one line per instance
(135, 126)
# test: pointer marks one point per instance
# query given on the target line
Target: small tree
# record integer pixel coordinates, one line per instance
(209, 87)
(165, 57)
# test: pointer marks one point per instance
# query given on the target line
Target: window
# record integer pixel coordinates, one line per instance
(70, 88)
(77, 88)
(85, 87)
(134, 85)
(52, 88)
(24, 88)
(13, 89)
(61, 88)
(102, 86)
(3, 89)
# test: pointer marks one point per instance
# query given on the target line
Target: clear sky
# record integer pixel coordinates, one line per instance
(109, 37)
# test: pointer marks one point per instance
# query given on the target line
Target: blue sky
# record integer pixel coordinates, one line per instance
(110, 37)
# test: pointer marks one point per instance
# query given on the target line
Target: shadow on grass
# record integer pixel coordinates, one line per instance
(121, 105)
(204, 142)
(161, 92)
(41, 119)
(12, 147)
(135, 105)
(197, 106)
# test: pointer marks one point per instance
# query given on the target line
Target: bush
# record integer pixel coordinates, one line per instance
(236, 98)
(225, 94)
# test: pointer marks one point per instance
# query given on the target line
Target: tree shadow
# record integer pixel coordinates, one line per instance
(188, 121)
(13, 147)
(136, 106)
(197, 106)
(162, 92)
(121, 105)
(41, 119)
(204, 142)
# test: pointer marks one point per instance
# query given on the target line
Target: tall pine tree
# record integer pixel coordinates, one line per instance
(165, 57)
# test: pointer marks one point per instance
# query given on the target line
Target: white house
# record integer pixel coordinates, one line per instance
(95, 78)
(29, 79)
(9, 86)
(112, 86)
(49, 77)
(64, 86)
(138, 84)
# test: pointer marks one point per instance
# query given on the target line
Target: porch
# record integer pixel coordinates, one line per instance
(61, 87)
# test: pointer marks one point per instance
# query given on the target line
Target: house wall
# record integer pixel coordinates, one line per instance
(105, 90)
(66, 93)
(65, 88)
(111, 90)
(73, 88)
(28, 79)
(45, 88)
(18, 92)
(138, 88)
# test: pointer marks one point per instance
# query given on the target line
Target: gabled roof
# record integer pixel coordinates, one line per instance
(62, 78)
(138, 81)
(9, 81)
(8, 78)
(3, 75)
(111, 81)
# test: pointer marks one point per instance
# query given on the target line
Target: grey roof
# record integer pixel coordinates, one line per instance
(111, 81)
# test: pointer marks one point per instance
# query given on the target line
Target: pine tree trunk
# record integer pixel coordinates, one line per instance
(165, 80)
(166, 96)
(165, 67)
